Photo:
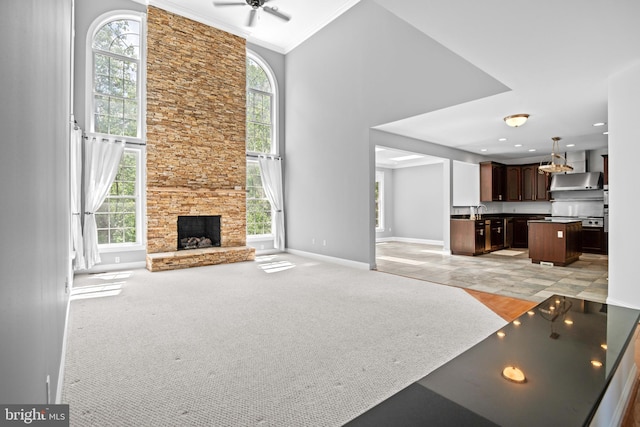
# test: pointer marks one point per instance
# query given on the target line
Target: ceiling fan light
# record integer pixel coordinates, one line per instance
(516, 120)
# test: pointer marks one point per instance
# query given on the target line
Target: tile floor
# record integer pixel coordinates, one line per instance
(509, 273)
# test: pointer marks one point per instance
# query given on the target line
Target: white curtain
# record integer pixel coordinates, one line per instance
(271, 174)
(101, 160)
(76, 197)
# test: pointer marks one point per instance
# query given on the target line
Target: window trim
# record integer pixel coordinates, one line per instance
(142, 70)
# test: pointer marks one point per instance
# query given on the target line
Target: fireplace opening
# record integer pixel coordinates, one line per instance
(200, 231)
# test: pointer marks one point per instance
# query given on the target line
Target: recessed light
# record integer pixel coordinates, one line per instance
(532, 149)
(501, 334)
(571, 145)
(569, 322)
(596, 363)
(483, 150)
(517, 322)
(502, 139)
(531, 313)
(605, 133)
(518, 145)
(599, 124)
(604, 346)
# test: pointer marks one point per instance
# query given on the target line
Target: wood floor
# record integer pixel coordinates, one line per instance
(511, 308)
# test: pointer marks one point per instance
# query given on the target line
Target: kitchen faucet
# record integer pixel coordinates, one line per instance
(479, 216)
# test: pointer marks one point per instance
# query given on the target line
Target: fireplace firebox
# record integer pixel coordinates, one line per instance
(198, 231)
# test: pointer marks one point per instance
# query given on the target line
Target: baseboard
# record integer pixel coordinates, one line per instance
(334, 260)
(63, 356)
(410, 240)
(103, 268)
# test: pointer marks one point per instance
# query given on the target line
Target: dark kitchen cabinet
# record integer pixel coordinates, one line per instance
(520, 233)
(594, 240)
(541, 188)
(534, 186)
(514, 183)
(492, 182)
(497, 234)
(468, 237)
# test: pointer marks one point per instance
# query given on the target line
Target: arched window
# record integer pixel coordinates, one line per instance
(115, 107)
(260, 107)
(116, 95)
(260, 139)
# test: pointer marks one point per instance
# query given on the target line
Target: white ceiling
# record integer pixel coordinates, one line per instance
(555, 56)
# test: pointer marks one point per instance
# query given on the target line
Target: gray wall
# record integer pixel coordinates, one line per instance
(418, 202)
(35, 76)
(365, 68)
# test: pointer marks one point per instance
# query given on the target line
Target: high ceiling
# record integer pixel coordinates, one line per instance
(556, 58)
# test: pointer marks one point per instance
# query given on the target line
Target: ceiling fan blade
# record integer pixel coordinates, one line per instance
(233, 3)
(277, 13)
(252, 17)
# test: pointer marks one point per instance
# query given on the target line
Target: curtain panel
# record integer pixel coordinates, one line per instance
(271, 174)
(75, 182)
(101, 160)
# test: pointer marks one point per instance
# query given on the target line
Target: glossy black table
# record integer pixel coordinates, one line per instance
(569, 350)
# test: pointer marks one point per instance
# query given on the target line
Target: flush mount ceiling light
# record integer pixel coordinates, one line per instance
(553, 167)
(513, 374)
(516, 120)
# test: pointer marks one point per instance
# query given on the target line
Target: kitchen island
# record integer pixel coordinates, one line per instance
(555, 241)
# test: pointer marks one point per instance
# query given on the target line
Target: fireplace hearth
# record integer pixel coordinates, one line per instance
(198, 231)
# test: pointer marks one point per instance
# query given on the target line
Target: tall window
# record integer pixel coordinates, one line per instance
(116, 218)
(379, 189)
(260, 140)
(116, 109)
(116, 78)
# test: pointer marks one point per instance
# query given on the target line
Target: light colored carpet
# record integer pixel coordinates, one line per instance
(283, 341)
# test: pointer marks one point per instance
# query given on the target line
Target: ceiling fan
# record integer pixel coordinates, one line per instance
(255, 6)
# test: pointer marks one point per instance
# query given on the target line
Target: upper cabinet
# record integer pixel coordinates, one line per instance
(512, 183)
(492, 182)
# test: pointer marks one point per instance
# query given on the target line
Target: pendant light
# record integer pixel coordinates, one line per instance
(553, 167)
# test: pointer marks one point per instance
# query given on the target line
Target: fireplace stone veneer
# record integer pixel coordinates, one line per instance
(196, 155)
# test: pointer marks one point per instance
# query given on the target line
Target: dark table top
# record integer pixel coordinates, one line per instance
(558, 349)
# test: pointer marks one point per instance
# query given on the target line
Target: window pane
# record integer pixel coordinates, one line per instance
(258, 206)
(118, 211)
(256, 77)
(120, 36)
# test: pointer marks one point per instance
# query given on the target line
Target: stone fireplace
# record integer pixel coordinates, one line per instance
(196, 157)
(198, 231)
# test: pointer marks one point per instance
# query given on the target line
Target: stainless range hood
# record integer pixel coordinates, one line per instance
(576, 181)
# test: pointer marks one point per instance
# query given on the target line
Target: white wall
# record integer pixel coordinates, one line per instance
(624, 152)
(365, 68)
(35, 82)
(418, 202)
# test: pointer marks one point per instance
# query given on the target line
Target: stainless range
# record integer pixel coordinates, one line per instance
(587, 222)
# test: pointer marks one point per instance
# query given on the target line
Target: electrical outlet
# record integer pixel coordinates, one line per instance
(324, 243)
(117, 260)
(313, 241)
(560, 234)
